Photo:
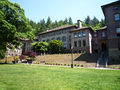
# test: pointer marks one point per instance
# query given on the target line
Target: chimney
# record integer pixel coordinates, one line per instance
(79, 23)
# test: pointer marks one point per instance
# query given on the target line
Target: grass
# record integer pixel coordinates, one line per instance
(36, 77)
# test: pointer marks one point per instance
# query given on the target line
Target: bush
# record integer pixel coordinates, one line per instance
(58, 64)
(64, 64)
(75, 64)
(22, 57)
(78, 65)
(31, 54)
(82, 65)
(68, 64)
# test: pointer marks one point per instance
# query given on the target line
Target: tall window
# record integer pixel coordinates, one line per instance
(117, 17)
(116, 8)
(79, 43)
(103, 34)
(79, 34)
(118, 31)
(63, 38)
(75, 35)
(58, 38)
(48, 40)
(84, 43)
(75, 43)
(64, 46)
(83, 33)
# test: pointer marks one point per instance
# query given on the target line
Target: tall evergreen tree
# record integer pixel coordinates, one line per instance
(43, 26)
(88, 21)
(65, 21)
(70, 21)
(48, 24)
(95, 21)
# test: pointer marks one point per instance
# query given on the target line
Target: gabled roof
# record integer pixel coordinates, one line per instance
(57, 29)
(83, 28)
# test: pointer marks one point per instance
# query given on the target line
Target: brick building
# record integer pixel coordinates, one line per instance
(112, 16)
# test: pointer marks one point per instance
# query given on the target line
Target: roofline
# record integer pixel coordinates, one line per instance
(103, 28)
(52, 30)
(79, 29)
(110, 4)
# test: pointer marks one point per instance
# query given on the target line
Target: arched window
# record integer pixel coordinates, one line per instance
(63, 38)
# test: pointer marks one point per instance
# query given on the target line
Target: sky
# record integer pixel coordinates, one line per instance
(60, 9)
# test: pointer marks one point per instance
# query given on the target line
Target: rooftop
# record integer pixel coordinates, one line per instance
(83, 28)
(103, 28)
(57, 29)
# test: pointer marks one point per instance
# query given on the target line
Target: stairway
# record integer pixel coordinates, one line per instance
(103, 59)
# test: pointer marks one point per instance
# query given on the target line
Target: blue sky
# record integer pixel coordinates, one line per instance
(61, 9)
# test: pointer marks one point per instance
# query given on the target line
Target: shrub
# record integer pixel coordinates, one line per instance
(61, 64)
(58, 64)
(64, 64)
(78, 65)
(75, 64)
(22, 57)
(82, 65)
(31, 54)
(68, 64)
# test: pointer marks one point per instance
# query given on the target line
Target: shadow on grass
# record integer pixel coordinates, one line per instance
(6, 64)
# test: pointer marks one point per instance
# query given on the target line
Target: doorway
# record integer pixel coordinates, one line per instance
(103, 46)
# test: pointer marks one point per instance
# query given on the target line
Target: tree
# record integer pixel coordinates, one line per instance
(40, 47)
(65, 21)
(88, 21)
(43, 26)
(70, 21)
(95, 21)
(49, 24)
(14, 26)
(103, 23)
(55, 46)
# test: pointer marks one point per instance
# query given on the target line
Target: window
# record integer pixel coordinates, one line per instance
(118, 31)
(84, 43)
(75, 35)
(103, 34)
(95, 35)
(58, 38)
(63, 39)
(64, 46)
(115, 8)
(52, 38)
(79, 43)
(117, 17)
(83, 33)
(79, 34)
(75, 43)
(48, 40)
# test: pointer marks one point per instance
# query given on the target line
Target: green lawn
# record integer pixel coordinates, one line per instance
(36, 77)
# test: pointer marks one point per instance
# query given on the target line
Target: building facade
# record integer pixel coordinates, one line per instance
(82, 40)
(112, 16)
(60, 33)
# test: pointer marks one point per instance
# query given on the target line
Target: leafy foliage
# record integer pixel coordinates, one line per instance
(55, 46)
(40, 47)
(31, 54)
(13, 26)
(22, 57)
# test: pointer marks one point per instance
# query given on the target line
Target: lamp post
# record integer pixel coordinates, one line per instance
(72, 65)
